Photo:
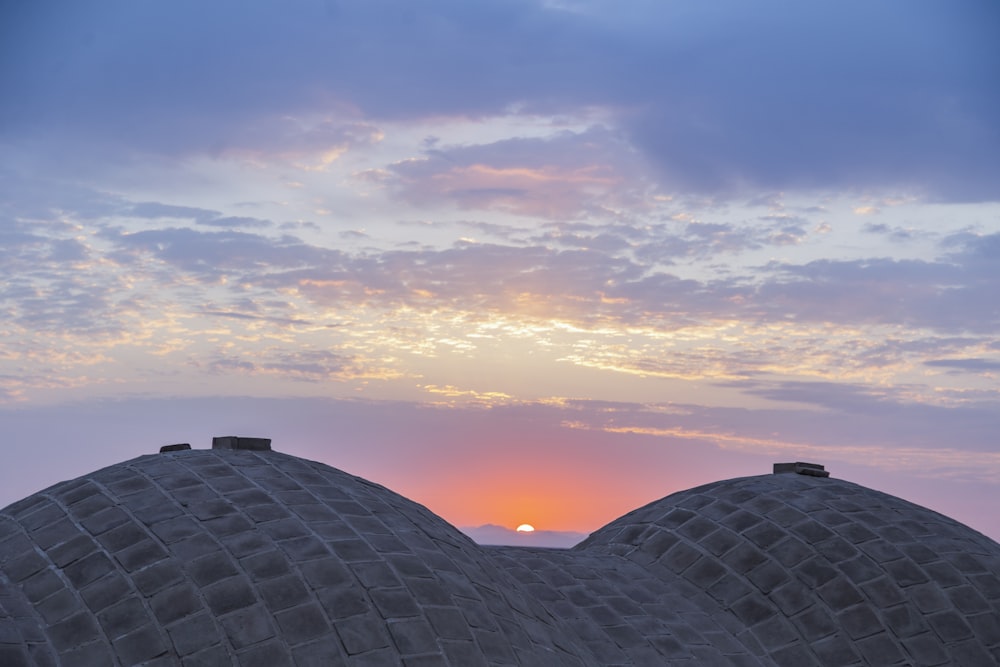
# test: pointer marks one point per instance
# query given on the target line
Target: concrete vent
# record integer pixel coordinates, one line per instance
(175, 448)
(239, 442)
(800, 468)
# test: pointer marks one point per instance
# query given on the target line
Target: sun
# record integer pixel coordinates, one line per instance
(525, 528)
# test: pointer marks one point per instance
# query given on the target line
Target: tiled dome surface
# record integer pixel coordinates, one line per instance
(218, 557)
(820, 571)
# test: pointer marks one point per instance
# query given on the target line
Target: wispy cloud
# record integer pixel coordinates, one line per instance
(558, 177)
(971, 365)
(600, 296)
(307, 365)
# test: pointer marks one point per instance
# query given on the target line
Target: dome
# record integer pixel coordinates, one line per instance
(820, 571)
(222, 556)
(243, 555)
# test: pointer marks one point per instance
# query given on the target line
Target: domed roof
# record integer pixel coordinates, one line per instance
(228, 556)
(823, 571)
(224, 556)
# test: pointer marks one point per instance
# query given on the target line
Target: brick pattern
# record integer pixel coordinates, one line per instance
(624, 614)
(209, 557)
(822, 571)
(253, 558)
(22, 641)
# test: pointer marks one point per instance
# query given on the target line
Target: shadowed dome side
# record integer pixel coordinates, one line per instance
(823, 571)
(224, 556)
(625, 615)
(22, 638)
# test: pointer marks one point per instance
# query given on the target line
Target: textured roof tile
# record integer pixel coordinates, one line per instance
(255, 557)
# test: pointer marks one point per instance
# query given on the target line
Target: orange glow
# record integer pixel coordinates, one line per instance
(561, 495)
(590, 174)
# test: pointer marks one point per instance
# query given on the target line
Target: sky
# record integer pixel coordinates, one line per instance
(522, 261)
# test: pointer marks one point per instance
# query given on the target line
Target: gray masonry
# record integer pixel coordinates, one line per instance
(242, 555)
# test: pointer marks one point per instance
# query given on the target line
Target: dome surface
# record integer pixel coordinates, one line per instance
(228, 556)
(820, 571)
(213, 557)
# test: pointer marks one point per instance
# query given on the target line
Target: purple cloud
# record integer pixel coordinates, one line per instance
(559, 177)
(201, 216)
(721, 98)
(303, 365)
(970, 365)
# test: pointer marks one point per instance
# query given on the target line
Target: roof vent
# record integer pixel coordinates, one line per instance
(239, 442)
(175, 448)
(800, 468)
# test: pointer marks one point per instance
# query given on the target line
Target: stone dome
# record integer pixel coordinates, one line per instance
(237, 556)
(820, 571)
(221, 556)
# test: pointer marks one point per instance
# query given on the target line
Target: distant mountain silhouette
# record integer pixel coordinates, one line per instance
(492, 534)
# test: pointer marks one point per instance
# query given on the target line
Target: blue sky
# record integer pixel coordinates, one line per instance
(499, 254)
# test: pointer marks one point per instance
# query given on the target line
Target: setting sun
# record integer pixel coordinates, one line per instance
(525, 528)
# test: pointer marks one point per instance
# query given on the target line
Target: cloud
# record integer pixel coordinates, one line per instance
(979, 251)
(216, 254)
(899, 234)
(237, 222)
(303, 365)
(309, 143)
(589, 273)
(201, 216)
(701, 240)
(781, 103)
(644, 302)
(850, 419)
(259, 318)
(560, 177)
(506, 232)
(48, 285)
(606, 271)
(721, 99)
(40, 200)
(156, 210)
(971, 365)
(943, 295)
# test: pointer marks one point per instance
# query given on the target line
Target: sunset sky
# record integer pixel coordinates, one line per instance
(534, 261)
